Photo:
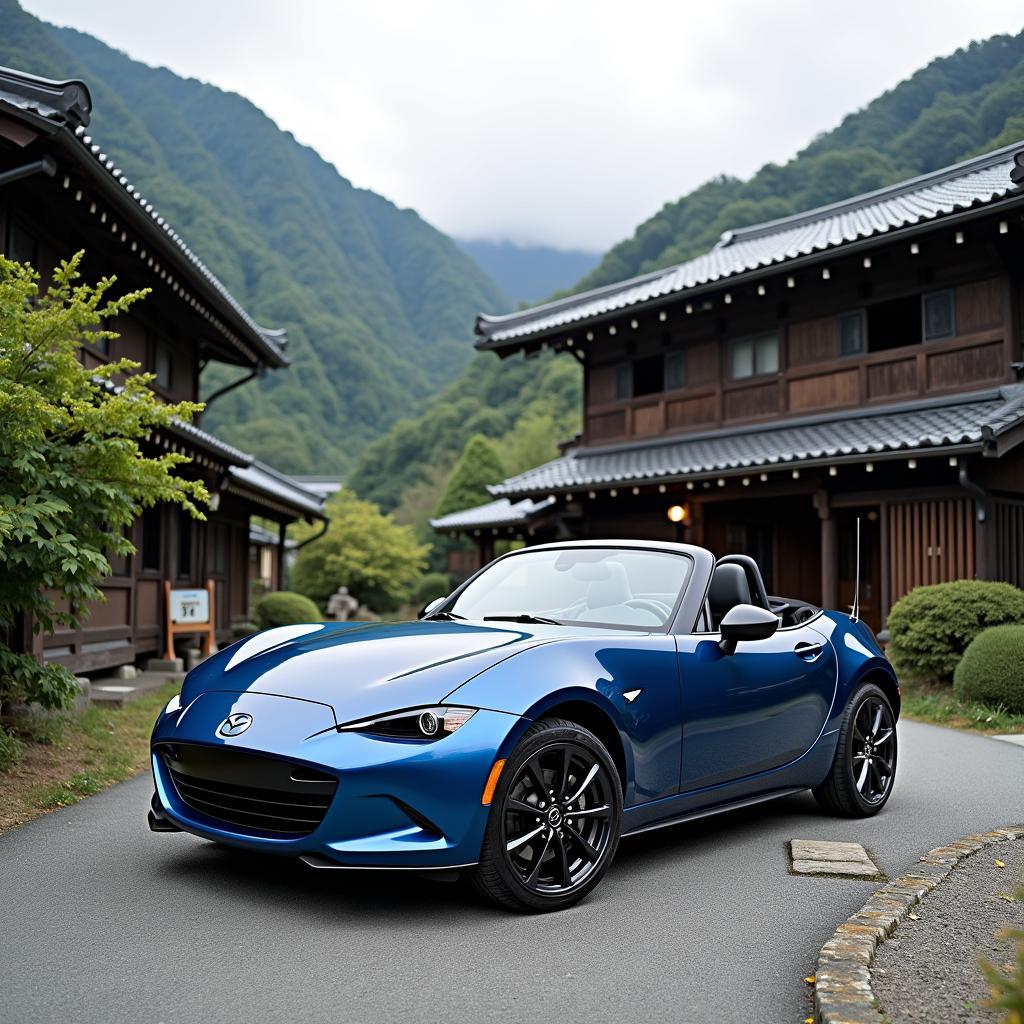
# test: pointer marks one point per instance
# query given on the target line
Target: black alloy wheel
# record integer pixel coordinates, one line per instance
(873, 751)
(555, 819)
(864, 769)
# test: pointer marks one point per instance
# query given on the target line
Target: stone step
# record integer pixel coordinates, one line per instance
(115, 692)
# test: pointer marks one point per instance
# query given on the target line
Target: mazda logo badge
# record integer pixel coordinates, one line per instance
(235, 725)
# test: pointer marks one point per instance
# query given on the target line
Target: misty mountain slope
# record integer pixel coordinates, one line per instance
(529, 273)
(955, 107)
(378, 304)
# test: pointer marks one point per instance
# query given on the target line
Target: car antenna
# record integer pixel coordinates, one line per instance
(855, 610)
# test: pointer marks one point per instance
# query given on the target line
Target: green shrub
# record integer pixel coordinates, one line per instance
(930, 628)
(431, 586)
(284, 608)
(11, 750)
(992, 669)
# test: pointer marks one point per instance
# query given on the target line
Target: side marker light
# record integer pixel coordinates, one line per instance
(492, 782)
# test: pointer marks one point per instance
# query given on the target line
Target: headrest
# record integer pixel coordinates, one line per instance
(590, 572)
(729, 588)
(611, 591)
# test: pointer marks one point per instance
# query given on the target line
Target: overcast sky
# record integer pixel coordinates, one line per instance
(558, 122)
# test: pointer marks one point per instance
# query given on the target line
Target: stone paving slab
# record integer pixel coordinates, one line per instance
(855, 869)
(1017, 738)
(115, 692)
(821, 857)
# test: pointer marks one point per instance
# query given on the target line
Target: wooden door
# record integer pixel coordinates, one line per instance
(929, 542)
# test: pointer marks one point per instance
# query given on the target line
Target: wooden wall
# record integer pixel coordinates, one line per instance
(930, 542)
(812, 377)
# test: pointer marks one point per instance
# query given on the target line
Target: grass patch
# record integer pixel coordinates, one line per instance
(939, 705)
(71, 758)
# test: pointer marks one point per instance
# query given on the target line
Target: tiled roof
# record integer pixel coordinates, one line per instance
(267, 538)
(324, 486)
(975, 182)
(210, 442)
(968, 422)
(65, 108)
(276, 488)
(495, 513)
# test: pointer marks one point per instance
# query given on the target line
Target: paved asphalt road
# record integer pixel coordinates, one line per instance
(102, 920)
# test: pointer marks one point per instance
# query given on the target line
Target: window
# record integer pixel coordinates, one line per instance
(151, 539)
(649, 376)
(623, 381)
(851, 333)
(675, 371)
(162, 366)
(21, 245)
(894, 324)
(752, 357)
(937, 315)
(221, 542)
(184, 544)
(619, 587)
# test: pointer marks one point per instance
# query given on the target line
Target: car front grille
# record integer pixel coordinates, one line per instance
(249, 792)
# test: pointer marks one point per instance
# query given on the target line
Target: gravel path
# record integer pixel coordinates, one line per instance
(928, 970)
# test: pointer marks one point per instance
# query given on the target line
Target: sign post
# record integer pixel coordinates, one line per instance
(192, 612)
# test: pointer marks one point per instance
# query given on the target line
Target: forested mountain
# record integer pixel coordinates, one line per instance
(378, 304)
(530, 273)
(956, 107)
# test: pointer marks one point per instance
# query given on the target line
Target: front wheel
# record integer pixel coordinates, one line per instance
(860, 780)
(554, 822)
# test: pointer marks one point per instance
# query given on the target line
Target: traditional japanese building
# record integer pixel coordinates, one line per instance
(60, 193)
(863, 360)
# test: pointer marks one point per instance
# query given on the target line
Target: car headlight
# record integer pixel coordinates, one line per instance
(414, 724)
(174, 704)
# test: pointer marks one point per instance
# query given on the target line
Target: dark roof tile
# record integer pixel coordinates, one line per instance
(967, 421)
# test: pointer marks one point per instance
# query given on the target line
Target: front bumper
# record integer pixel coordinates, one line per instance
(399, 804)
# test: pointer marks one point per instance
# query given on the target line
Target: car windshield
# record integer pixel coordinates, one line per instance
(630, 588)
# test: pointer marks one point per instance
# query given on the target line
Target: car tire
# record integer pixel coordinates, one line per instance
(860, 781)
(555, 820)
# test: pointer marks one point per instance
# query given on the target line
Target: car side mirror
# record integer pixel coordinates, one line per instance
(428, 609)
(746, 622)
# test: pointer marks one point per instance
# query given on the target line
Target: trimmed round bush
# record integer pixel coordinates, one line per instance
(431, 586)
(284, 608)
(992, 669)
(931, 627)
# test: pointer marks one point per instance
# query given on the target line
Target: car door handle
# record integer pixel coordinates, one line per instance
(809, 652)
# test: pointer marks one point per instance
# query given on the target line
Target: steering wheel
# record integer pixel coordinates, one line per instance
(646, 604)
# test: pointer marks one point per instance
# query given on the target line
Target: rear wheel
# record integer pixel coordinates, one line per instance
(860, 780)
(554, 822)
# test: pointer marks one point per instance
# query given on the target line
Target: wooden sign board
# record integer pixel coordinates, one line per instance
(190, 611)
(190, 606)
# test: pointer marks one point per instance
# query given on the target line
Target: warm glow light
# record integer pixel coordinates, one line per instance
(492, 782)
(677, 513)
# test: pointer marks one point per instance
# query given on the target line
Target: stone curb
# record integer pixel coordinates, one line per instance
(842, 987)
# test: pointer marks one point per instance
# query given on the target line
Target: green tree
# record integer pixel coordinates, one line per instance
(364, 550)
(73, 472)
(478, 465)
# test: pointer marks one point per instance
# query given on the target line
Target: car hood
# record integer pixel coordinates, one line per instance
(362, 669)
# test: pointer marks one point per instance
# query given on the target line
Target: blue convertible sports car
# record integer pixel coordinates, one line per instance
(566, 695)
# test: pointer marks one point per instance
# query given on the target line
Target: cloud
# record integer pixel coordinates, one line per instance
(561, 123)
